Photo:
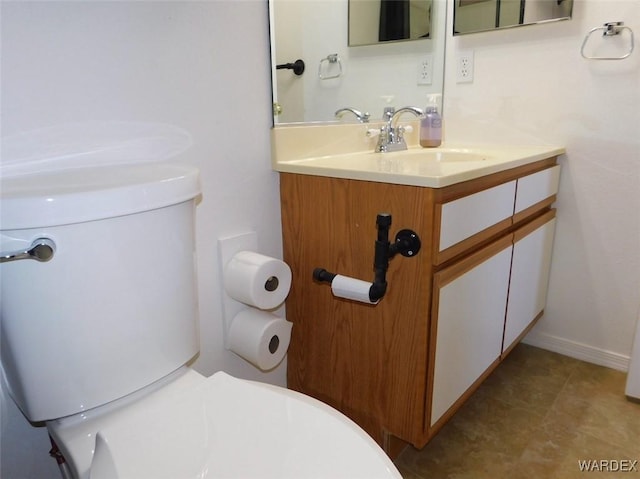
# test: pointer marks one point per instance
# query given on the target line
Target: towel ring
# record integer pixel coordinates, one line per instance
(331, 59)
(609, 29)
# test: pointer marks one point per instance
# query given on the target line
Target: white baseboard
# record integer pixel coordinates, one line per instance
(580, 351)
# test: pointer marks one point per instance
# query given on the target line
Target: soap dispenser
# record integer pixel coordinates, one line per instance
(431, 125)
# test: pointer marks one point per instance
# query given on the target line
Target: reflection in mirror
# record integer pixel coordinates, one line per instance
(472, 16)
(367, 78)
(374, 21)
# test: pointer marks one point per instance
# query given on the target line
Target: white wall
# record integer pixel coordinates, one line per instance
(200, 66)
(532, 86)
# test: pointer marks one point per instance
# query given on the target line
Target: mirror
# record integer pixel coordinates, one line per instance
(375, 21)
(336, 75)
(377, 74)
(471, 16)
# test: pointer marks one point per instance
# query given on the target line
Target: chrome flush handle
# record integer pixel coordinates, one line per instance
(41, 249)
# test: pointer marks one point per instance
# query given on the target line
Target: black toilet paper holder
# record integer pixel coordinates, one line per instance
(407, 243)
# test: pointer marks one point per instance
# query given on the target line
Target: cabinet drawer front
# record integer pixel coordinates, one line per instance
(537, 187)
(467, 216)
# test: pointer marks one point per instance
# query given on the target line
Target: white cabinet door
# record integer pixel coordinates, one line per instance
(469, 303)
(529, 276)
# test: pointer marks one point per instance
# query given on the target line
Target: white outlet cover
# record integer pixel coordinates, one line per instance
(425, 70)
(464, 66)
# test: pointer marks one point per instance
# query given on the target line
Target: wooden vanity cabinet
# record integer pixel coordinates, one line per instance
(401, 368)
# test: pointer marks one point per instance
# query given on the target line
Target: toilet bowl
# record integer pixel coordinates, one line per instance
(222, 427)
(102, 355)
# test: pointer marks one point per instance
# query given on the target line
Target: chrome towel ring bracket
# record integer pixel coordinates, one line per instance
(609, 29)
(330, 67)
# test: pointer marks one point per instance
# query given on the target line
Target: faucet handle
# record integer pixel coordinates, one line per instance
(373, 132)
(399, 135)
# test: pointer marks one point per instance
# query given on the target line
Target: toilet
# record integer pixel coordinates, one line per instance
(99, 329)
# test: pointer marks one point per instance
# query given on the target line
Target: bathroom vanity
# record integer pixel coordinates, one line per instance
(451, 313)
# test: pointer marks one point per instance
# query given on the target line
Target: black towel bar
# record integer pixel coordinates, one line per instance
(297, 67)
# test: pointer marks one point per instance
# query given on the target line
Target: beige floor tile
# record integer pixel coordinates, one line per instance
(557, 452)
(536, 416)
(530, 377)
(484, 439)
(593, 403)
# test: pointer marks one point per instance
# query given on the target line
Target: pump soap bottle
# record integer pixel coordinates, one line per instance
(431, 125)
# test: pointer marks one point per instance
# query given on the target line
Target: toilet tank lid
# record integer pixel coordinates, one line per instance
(78, 195)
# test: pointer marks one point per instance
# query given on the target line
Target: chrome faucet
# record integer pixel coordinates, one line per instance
(391, 137)
(388, 113)
(362, 117)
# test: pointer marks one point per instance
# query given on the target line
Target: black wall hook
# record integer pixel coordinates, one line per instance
(407, 243)
(297, 67)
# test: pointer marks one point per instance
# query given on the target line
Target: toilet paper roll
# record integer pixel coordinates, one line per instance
(351, 288)
(257, 280)
(259, 337)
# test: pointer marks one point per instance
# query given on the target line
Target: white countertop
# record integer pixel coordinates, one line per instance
(431, 167)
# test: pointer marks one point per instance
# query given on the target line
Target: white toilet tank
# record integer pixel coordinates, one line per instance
(115, 308)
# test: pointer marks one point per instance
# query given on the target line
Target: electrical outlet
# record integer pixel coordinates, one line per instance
(425, 71)
(464, 67)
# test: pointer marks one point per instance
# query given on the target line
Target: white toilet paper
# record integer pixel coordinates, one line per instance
(257, 280)
(259, 337)
(351, 288)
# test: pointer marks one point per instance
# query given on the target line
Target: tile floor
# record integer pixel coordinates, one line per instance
(535, 417)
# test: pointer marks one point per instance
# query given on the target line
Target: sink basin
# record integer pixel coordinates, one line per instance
(446, 155)
(432, 167)
(412, 161)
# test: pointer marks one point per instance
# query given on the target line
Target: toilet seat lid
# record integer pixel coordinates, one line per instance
(232, 428)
